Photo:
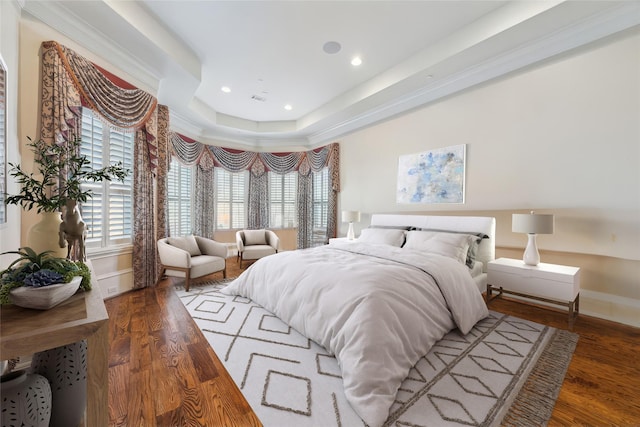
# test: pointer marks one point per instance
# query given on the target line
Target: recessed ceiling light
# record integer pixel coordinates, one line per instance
(225, 89)
(331, 47)
(288, 107)
(356, 61)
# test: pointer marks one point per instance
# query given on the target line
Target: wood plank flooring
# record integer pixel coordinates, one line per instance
(162, 371)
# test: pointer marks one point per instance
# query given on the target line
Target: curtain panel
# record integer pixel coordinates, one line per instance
(68, 80)
(306, 163)
(204, 225)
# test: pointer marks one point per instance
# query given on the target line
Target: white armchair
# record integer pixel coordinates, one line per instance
(255, 244)
(192, 257)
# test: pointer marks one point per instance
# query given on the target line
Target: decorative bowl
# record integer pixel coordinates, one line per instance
(45, 297)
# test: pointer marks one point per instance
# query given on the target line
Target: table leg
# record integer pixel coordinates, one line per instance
(98, 377)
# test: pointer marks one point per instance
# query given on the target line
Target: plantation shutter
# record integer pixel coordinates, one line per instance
(282, 199)
(238, 197)
(231, 197)
(120, 193)
(91, 148)
(108, 214)
(179, 190)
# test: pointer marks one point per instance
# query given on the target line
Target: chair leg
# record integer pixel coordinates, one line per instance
(224, 273)
(186, 280)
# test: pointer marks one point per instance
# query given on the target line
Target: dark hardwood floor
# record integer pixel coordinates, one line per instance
(162, 371)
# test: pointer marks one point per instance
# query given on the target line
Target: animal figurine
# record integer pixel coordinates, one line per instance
(73, 230)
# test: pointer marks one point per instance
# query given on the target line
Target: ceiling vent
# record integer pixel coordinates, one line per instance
(258, 98)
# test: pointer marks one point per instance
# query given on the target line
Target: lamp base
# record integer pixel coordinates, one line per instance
(350, 233)
(531, 255)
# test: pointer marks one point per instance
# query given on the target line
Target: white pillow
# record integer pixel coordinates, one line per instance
(452, 245)
(386, 236)
(187, 243)
(255, 237)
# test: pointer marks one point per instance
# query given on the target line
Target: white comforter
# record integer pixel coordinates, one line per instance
(372, 306)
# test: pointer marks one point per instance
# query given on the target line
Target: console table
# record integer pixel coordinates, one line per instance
(83, 316)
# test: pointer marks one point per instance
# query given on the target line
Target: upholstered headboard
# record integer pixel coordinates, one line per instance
(475, 224)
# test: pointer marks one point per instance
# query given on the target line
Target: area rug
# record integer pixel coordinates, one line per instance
(505, 371)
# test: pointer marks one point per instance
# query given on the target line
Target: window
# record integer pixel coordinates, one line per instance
(231, 194)
(179, 190)
(282, 199)
(108, 214)
(320, 207)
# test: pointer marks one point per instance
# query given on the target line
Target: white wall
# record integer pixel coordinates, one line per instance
(9, 22)
(562, 137)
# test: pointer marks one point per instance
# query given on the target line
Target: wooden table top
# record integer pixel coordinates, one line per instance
(25, 331)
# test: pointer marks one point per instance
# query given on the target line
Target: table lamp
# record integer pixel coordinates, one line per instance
(532, 224)
(350, 217)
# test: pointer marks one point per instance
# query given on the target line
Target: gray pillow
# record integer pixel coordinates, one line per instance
(387, 236)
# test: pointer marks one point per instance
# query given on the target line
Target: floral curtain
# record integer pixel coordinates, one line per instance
(258, 196)
(305, 205)
(204, 225)
(191, 152)
(68, 80)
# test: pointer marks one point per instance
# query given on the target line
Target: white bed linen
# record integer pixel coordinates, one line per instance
(371, 306)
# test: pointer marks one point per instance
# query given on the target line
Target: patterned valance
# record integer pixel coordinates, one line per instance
(121, 108)
(69, 79)
(189, 152)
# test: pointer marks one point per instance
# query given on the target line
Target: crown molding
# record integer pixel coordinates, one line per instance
(70, 25)
(573, 36)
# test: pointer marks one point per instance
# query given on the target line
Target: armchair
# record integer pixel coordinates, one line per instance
(191, 257)
(255, 244)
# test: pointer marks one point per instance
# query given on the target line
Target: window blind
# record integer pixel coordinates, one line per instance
(231, 194)
(282, 199)
(108, 214)
(179, 190)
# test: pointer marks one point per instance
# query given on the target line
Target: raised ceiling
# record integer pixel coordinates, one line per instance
(270, 54)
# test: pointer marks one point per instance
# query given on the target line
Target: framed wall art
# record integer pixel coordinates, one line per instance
(434, 176)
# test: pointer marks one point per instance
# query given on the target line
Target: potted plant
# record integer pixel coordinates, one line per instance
(61, 172)
(40, 280)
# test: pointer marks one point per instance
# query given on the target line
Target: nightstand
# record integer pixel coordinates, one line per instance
(550, 283)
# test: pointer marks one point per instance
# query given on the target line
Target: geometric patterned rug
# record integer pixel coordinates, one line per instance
(506, 370)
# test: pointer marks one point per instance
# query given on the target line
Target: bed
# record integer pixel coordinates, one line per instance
(380, 302)
(476, 224)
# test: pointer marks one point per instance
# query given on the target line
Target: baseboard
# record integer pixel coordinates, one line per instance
(115, 283)
(610, 307)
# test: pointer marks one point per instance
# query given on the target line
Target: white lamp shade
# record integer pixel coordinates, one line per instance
(532, 223)
(350, 216)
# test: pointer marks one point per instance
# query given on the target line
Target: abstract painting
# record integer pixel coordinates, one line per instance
(435, 176)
